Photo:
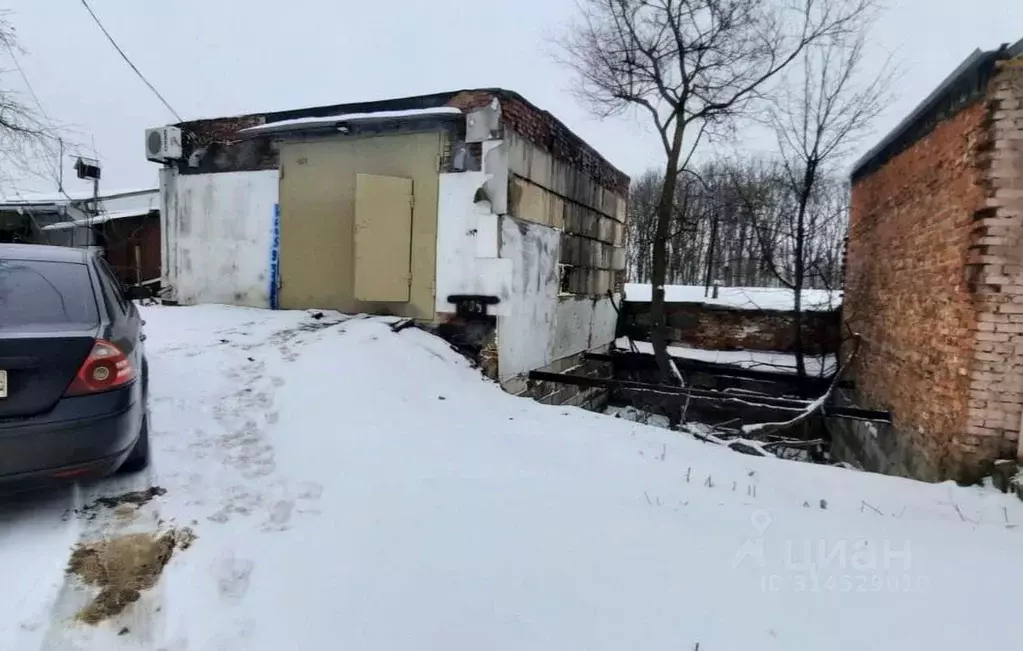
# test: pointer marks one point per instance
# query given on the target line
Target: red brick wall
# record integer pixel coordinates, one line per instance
(907, 294)
(720, 328)
(222, 149)
(996, 277)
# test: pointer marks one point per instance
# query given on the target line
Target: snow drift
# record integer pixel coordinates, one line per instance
(352, 487)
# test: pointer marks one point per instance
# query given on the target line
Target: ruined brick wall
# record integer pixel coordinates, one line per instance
(995, 272)
(713, 327)
(544, 130)
(906, 291)
(541, 128)
(562, 220)
(558, 180)
(214, 146)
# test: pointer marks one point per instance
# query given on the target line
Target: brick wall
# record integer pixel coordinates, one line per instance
(935, 285)
(995, 273)
(720, 328)
(906, 291)
(214, 146)
(543, 129)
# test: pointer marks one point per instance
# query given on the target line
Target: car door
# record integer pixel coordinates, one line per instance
(125, 321)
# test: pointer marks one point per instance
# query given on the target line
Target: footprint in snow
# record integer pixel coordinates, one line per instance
(233, 576)
(310, 490)
(280, 516)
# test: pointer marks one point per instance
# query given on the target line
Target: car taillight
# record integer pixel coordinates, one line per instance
(105, 368)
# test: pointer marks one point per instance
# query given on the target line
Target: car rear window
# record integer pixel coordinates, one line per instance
(35, 293)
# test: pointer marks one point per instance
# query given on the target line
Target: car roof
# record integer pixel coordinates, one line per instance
(42, 252)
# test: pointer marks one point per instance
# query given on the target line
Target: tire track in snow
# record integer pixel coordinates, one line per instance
(236, 434)
(34, 536)
(142, 619)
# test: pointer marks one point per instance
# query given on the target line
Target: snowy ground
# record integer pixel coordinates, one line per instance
(353, 488)
(746, 298)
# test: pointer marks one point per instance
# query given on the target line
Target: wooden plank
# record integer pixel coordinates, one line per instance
(857, 413)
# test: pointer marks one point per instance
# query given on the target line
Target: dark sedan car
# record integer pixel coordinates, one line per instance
(73, 373)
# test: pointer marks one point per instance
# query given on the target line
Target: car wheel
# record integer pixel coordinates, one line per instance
(138, 458)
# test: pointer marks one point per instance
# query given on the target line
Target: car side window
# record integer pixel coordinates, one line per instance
(113, 285)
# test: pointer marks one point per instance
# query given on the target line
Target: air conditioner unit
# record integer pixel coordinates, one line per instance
(163, 144)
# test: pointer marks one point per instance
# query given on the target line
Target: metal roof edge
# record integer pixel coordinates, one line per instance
(431, 100)
(922, 108)
(1016, 49)
(58, 200)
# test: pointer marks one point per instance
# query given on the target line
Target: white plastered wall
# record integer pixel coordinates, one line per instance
(482, 250)
(217, 236)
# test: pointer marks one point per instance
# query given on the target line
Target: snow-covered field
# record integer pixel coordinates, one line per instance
(355, 488)
(745, 298)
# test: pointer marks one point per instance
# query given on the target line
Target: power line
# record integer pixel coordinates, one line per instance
(128, 61)
(45, 115)
(24, 77)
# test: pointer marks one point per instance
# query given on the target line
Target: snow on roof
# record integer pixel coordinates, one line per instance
(99, 219)
(742, 298)
(72, 195)
(351, 117)
(760, 360)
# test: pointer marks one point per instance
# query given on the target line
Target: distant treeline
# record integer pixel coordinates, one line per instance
(735, 222)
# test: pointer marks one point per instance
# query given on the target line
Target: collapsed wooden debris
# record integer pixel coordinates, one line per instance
(675, 395)
(758, 423)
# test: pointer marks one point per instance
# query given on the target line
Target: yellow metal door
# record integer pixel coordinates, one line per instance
(383, 238)
(317, 254)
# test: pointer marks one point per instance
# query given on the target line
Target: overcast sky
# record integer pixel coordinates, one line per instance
(213, 58)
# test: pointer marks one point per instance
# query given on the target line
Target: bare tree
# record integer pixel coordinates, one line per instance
(641, 224)
(28, 142)
(830, 103)
(691, 66)
(749, 204)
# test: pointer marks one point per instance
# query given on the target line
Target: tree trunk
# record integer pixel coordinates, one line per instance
(708, 279)
(800, 270)
(659, 262)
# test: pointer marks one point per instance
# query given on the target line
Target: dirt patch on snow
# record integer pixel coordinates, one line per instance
(138, 498)
(122, 566)
(133, 499)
